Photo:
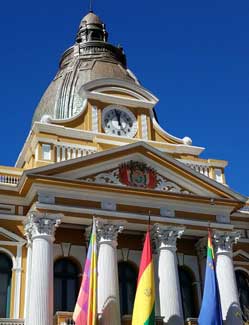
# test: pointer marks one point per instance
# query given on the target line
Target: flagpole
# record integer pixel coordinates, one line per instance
(91, 5)
(149, 221)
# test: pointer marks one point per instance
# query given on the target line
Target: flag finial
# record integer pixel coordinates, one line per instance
(91, 5)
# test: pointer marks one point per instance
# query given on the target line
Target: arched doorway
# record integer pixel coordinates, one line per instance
(188, 292)
(5, 285)
(127, 275)
(242, 279)
(66, 284)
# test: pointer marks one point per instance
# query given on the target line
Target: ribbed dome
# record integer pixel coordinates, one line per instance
(91, 58)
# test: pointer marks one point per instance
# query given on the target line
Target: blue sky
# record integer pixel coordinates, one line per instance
(193, 55)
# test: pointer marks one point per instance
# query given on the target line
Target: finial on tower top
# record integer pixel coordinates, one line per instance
(90, 5)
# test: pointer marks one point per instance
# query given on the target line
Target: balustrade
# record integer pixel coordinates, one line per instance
(9, 179)
(66, 152)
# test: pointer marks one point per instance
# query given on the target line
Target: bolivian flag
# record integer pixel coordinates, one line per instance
(144, 305)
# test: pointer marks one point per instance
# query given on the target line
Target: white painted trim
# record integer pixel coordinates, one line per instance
(158, 127)
(27, 278)
(122, 215)
(6, 251)
(121, 90)
(97, 85)
(237, 268)
(11, 217)
(241, 252)
(71, 119)
(18, 272)
(3, 208)
(59, 130)
(13, 236)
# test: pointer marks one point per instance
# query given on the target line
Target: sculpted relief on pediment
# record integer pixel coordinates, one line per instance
(139, 175)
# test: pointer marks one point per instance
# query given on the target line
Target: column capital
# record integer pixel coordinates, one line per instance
(165, 237)
(223, 241)
(107, 231)
(41, 225)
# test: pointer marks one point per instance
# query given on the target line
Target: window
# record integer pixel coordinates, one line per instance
(46, 152)
(66, 284)
(127, 275)
(5, 285)
(243, 290)
(187, 292)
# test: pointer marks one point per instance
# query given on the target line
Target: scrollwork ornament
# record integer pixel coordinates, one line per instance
(166, 237)
(41, 224)
(108, 231)
(224, 241)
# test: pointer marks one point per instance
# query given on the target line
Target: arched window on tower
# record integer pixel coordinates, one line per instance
(242, 279)
(66, 284)
(5, 285)
(127, 275)
(188, 292)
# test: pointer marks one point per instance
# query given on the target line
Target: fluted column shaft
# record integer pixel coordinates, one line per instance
(231, 312)
(169, 286)
(28, 277)
(108, 286)
(40, 308)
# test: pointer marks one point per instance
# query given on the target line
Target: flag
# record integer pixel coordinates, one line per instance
(144, 305)
(85, 312)
(210, 313)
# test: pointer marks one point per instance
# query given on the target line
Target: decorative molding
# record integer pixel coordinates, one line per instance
(95, 119)
(224, 241)
(144, 127)
(65, 247)
(41, 224)
(166, 237)
(113, 177)
(108, 231)
(7, 209)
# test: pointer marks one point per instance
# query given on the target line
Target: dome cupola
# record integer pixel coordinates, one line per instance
(91, 29)
(90, 58)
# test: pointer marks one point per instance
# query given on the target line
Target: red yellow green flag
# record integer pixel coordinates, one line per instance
(144, 305)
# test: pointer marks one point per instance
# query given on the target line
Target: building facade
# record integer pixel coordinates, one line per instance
(96, 148)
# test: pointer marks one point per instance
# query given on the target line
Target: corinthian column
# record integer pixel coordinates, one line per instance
(108, 287)
(231, 312)
(169, 286)
(41, 227)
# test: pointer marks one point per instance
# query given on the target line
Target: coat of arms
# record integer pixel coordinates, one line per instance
(137, 174)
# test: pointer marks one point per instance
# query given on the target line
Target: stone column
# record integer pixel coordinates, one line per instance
(231, 312)
(201, 249)
(108, 286)
(41, 227)
(28, 275)
(169, 286)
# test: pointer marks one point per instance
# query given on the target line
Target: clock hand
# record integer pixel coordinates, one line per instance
(118, 117)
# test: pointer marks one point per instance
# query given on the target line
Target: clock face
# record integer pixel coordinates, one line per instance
(119, 121)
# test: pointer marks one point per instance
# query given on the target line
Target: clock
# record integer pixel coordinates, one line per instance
(119, 121)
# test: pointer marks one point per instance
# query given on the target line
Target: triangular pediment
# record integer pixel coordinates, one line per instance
(171, 175)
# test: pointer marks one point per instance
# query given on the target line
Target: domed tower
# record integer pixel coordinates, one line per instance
(95, 103)
(90, 58)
